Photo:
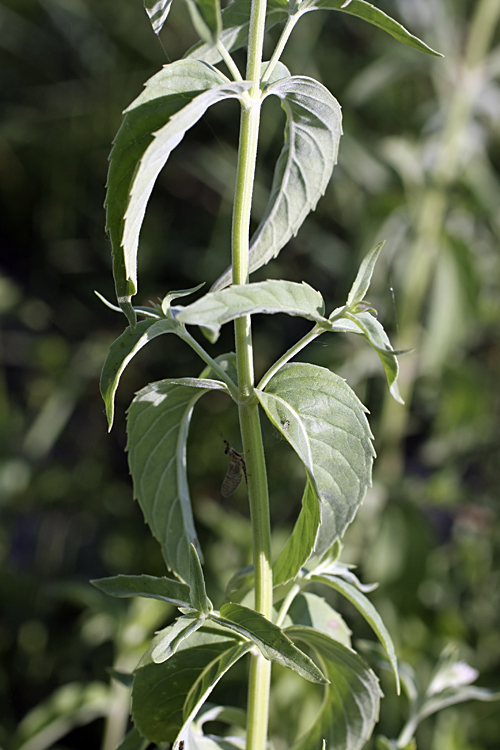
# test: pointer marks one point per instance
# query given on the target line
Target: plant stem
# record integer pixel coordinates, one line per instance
(231, 65)
(260, 669)
(285, 34)
(205, 356)
(292, 352)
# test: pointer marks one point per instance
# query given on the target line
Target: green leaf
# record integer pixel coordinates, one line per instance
(269, 638)
(366, 608)
(351, 700)
(325, 423)
(313, 611)
(206, 18)
(373, 15)
(170, 638)
(158, 425)
(166, 589)
(172, 102)
(374, 333)
(134, 741)
(312, 134)
(123, 350)
(235, 23)
(272, 296)
(166, 697)
(157, 11)
(199, 598)
(300, 544)
(452, 696)
(364, 276)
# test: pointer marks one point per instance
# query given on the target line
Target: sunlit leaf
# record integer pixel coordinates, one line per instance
(158, 424)
(364, 276)
(157, 11)
(373, 15)
(165, 589)
(313, 611)
(325, 423)
(272, 296)
(153, 125)
(351, 700)
(174, 635)
(312, 134)
(269, 638)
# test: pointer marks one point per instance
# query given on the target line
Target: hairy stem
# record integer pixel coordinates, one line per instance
(260, 670)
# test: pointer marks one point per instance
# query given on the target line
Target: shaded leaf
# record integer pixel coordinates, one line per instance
(351, 700)
(269, 638)
(171, 103)
(206, 18)
(166, 697)
(157, 427)
(373, 15)
(300, 543)
(313, 611)
(326, 425)
(303, 170)
(166, 589)
(366, 608)
(174, 635)
(272, 296)
(199, 598)
(133, 741)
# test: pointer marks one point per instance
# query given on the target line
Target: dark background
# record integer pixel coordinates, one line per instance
(418, 166)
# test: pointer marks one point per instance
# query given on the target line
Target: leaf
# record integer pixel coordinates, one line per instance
(366, 608)
(166, 697)
(235, 23)
(312, 134)
(364, 276)
(452, 696)
(166, 589)
(123, 350)
(206, 18)
(157, 11)
(300, 544)
(172, 102)
(174, 635)
(134, 741)
(327, 427)
(199, 598)
(373, 15)
(158, 425)
(269, 638)
(313, 611)
(374, 333)
(351, 700)
(271, 296)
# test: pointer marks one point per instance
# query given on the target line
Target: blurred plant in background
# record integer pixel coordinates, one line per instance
(418, 167)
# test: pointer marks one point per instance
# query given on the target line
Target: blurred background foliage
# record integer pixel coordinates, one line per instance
(419, 167)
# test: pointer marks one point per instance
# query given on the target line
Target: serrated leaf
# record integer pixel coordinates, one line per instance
(153, 125)
(325, 423)
(122, 350)
(364, 276)
(313, 611)
(300, 543)
(157, 11)
(171, 638)
(351, 701)
(235, 23)
(312, 133)
(271, 296)
(199, 598)
(368, 611)
(157, 427)
(373, 15)
(206, 18)
(166, 697)
(269, 638)
(166, 589)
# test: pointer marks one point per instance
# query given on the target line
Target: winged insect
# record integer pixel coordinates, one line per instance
(235, 471)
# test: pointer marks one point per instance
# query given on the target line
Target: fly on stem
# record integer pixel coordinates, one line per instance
(235, 471)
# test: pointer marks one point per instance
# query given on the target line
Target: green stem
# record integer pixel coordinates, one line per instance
(287, 603)
(231, 65)
(295, 349)
(260, 669)
(285, 35)
(205, 356)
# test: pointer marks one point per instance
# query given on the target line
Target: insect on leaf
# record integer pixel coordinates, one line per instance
(235, 471)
